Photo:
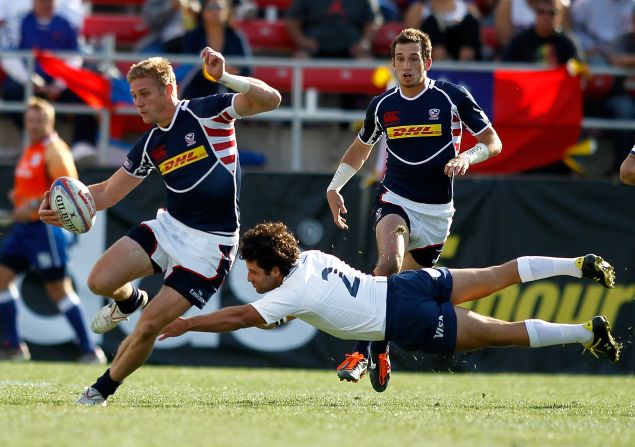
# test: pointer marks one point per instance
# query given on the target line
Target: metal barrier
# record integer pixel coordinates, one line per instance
(298, 113)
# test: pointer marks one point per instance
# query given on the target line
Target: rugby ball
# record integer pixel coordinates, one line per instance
(74, 204)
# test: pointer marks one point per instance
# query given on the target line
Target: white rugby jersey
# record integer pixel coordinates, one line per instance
(329, 294)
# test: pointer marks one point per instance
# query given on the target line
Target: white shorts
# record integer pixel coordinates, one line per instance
(195, 262)
(429, 223)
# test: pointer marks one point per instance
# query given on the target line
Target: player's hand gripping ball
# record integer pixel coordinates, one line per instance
(74, 204)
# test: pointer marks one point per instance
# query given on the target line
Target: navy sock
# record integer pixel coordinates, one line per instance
(8, 314)
(76, 319)
(131, 304)
(105, 385)
(378, 347)
(363, 347)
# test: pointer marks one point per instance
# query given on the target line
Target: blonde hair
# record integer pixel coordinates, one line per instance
(44, 107)
(158, 69)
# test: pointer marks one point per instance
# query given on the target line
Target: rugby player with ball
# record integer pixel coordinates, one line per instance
(192, 144)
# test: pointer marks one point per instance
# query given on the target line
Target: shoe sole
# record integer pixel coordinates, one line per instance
(92, 404)
(604, 271)
(375, 382)
(607, 272)
(351, 379)
(615, 346)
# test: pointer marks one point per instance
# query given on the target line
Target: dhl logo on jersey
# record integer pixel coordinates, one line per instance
(414, 130)
(184, 159)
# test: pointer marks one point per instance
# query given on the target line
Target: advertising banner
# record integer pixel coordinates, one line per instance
(497, 219)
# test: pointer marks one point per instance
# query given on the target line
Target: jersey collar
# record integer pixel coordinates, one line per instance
(429, 83)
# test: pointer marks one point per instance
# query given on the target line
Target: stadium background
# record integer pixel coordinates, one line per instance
(497, 219)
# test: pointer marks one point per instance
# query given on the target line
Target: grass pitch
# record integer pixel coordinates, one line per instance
(174, 407)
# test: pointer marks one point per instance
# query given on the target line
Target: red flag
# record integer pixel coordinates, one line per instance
(90, 86)
(537, 114)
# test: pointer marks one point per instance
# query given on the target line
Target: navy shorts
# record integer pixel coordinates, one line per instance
(419, 315)
(382, 209)
(39, 246)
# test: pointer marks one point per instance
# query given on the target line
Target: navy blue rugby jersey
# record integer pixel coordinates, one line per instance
(422, 134)
(198, 160)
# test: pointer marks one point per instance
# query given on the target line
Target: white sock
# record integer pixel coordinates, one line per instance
(542, 333)
(532, 268)
(9, 294)
(68, 302)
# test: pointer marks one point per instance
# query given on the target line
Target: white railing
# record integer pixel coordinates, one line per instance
(298, 113)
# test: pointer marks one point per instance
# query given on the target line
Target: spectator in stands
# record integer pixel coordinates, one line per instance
(598, 24)
(621, 104)
(390, 11)
(544, 42)
(214, 30)
(43, 29)
(168, 21)
(511, 17)
(453, 28)
(333, 28)
(486, 9)
(13, 11)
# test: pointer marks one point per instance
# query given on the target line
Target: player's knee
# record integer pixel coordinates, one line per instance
(148, 328)
(97, 283)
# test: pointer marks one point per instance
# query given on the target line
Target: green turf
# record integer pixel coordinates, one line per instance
(174, 407)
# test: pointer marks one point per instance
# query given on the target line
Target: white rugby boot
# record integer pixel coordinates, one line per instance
(91, 396)
(110, 316)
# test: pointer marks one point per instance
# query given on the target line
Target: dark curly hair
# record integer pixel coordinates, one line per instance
(270, 244)
(411, 35)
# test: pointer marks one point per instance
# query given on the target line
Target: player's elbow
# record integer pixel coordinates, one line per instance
(496, 147)
(273, 99)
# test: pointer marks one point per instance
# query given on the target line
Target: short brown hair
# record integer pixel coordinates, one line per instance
(157, 68)
(43, 106)
(270, 244)
(412, 35)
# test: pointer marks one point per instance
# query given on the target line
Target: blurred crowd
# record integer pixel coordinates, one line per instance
(553, 32)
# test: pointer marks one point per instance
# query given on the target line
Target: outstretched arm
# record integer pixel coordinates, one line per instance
(254, 96)
(224, 320)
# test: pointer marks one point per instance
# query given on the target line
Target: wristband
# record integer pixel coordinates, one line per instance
(343, 174)
(476, 154)
(238, 84)
(280, 322)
